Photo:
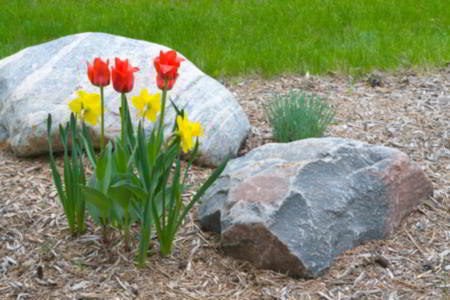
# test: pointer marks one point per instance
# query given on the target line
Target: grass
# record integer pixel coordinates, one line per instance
(297, 116)
(234, 38)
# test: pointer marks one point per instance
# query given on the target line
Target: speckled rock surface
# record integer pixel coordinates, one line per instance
(294, 207)
(42, 79)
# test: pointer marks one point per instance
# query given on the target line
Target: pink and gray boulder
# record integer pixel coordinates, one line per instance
(294, 207)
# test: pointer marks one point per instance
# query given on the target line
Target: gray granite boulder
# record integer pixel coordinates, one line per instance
(42, 79)
(294, 207)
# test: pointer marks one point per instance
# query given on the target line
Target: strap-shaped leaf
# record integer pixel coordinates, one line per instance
(136, 190)
(121, 159)
(190, 161)
(142, 159)
(175, 202)
(179, 113)
(130, 139)
(121, 196)
(97, 198)
(88, 147)
(211, 179)
(175, 190)
(55, 172)
(103, 170)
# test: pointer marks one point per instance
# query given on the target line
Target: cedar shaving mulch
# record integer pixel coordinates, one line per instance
(408, 110)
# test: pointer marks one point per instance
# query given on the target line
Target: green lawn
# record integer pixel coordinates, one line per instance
(241, 37)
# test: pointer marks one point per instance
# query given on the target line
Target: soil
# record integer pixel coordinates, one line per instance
(408, 110)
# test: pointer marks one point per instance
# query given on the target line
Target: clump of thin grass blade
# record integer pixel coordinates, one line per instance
(297, 115)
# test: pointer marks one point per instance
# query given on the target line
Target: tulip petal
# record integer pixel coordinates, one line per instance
(166, 65)
(122, 76)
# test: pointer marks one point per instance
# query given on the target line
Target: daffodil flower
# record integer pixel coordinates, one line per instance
(187, 130)
(147, 105)
(86, 106)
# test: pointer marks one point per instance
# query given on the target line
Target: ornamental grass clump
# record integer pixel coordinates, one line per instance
(297, 116)
(138, 179)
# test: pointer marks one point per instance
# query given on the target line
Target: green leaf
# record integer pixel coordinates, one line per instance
(132, 157)
(97, 198)
(103, 170)
(136, 190)
(178, 113)
(175, 192)
(55, 172)
(177, 110)
(69, 204)
(95, 213)
(211, 179)
(121, 160)
(73, 134)
(155, 218)
(129, 124)
(153, 148)
(175, 203)
(127, 133)
(63, 136)
(88, 147)
(142, 159)
(121, 196)
(191, 160)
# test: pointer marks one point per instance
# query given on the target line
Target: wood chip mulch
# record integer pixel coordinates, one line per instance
(407, 110)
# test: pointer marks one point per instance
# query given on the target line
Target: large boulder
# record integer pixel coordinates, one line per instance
(42, 79)
(294, 207)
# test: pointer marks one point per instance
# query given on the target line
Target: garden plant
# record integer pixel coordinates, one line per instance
(297, 115)
(138, 178)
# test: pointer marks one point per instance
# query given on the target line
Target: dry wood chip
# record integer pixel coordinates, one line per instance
(410, 111)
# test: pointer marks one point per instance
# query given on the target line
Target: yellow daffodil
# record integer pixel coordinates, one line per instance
(196, 129)
(86, 106)
(187, 130)
(147, 105)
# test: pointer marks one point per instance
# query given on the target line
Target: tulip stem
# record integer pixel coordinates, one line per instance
(122, 119)
(102, 128)
(163, 108)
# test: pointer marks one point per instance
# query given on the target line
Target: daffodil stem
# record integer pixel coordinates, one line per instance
(126, 232)
(102, 128)
(105, 233)
(163, 108)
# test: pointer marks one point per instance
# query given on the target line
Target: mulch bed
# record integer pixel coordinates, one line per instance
(406, 110)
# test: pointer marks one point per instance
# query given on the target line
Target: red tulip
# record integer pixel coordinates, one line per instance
(166, 65)
(98, 72)
(122, 76)
(160, 82)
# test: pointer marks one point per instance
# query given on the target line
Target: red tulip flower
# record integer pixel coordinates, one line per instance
(166, 65)
(98, 72)
(122, 76)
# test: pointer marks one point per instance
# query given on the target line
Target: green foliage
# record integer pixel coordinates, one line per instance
(70, 195)
(298, 116)
(173, 209)
(134, 181)
(235, 38)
